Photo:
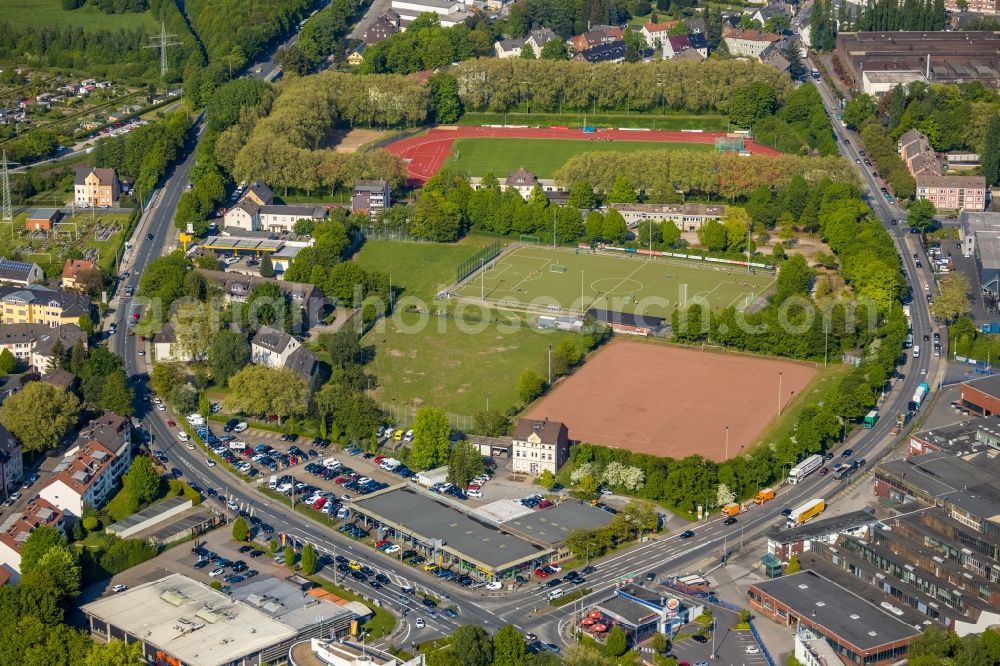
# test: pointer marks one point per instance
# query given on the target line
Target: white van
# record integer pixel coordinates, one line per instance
(240, 427)
(555, 594)
(916, 351)
(183, 436)
(274, 482)
(196, 419)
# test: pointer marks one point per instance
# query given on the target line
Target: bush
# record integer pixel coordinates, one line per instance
(90, 523)
(124, 554)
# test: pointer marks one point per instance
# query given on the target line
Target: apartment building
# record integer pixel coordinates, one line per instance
(953, 192)
(18, 526)
(35, 304)
(370, 197)
(538, 446)
(748, 42)
(87, 475)
(95, 187)
(11, 463)
(35, 345)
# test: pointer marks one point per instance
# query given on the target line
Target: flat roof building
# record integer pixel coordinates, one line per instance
(783, 543)
(981, 395)
(179, 620)
(958, 439)
(858, 631)
(448, 533)
(553, 525)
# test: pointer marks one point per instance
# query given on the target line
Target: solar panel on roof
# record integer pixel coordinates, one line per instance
(11, 265)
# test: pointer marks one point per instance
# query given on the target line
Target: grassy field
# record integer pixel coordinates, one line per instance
(455, 366)
(49, 253)
(784, 425)
(543, 157)
(51, 14)
(621, 283)
(651, 119)
(419, 269)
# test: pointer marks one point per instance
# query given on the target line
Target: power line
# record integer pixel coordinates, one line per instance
(162, 41)
(8, 209)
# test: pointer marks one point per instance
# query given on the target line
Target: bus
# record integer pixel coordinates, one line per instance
(805, 468)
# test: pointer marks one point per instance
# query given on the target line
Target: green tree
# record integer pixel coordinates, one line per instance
(115, 653)
(117, 395)
(508, 644)
(57, 569)
(472, 645)
(7, 362)
(617, 643)
(712, 236)
(163, 279)
(445, 100)
(431, 438)
(86, 324)
(933, 641)
(308, 559)
(39, 541)
(195, 326)
(990, 159)
(527, 53)
(436, 218)
(859, 110)
(547, 480)
(659, 643)
(793, 565)
(554, 49)
(39, 415)
(266, 266)
(791, 53)
(492, 423)
(464, 464)
(141, 481)
(257, 389)
(165, 377)
(921, 214)
(530, 385)
(751, 103)
(581, 193)
(227, 355)
(594, 226)
(614, 230)
(241, 530)
(952, 302)
(622, 191)
(290, 557)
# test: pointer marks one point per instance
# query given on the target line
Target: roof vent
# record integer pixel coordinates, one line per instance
(855, 616)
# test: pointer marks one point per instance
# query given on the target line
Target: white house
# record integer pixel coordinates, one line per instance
(249, 216)
(523, 181)
(34, 344)
(539, 38)
(272, 347)
(87, 474)
(687, 217)
(539, 446)
(166, 349)
(508, 48)
(657, 32)
(16, 528)
(748, 42)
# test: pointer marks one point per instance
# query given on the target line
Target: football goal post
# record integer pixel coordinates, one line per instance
(534, 240)
(557, 268)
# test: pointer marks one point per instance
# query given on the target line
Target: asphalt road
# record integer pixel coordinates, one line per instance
(266, 68)
(526, 608)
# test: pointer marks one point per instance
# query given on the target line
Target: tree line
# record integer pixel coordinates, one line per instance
(425, 44)
(491, 84)
(246, 25)
(908, 15)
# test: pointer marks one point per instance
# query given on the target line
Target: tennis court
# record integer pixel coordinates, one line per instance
(559, 279)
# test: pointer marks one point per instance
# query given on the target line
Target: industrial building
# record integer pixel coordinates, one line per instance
(943, 57)
(178, 620)
(981, 395)
(857, 630)
(958, 439)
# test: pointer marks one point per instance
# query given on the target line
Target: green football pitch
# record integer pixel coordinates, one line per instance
(543, 157)
(561, 280)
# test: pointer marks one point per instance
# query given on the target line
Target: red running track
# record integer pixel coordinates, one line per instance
(425, 154)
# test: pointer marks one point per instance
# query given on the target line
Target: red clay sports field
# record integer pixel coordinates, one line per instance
(425, 154)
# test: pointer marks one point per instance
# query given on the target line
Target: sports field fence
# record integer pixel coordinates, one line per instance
(479, 260)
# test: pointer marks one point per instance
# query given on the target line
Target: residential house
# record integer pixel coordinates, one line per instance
(508, 48)
(748, 42)
(597, 36)
(271, 347)
(687, 217)
(18, 526)
(243, 215)
(34, 345)
(915, 149)
(539, 38)
(96, 187)
(973, 7)
(166, 349)
(11, 465)
(357, 54)
(305, 364)
(21, 273)
(674, 46)
(698, 44)
(35, 304)
(63, 380)
(385, 26)
(523, 181)
(283, 218)
(695, 24)
(539, 445)
(766, 13)
(953, 192)
(610, 52)
(258, 193)
(773, 56)
(657, 33)
(42, 219)
(236, 288)
(87, 475)
(370, 197)
(78, 275)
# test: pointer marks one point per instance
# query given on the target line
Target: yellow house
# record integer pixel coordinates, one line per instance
(36, 304)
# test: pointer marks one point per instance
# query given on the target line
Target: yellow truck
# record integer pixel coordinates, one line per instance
(809, 510)
(765, 495)
(732, 509)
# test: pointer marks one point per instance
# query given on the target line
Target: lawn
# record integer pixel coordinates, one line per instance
(418, 269)
(543, 157)
(652, 120)
(525, 276)
(51, 14)
(459, 367)
(784, 425)
(382, 621)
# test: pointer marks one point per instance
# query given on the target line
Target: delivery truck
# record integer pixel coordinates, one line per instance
(806, 511)
(918, 396)
(732, 509)
(804, 469)
(871, 418)
(765, 495)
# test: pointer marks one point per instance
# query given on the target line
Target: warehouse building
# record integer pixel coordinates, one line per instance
(982, 395)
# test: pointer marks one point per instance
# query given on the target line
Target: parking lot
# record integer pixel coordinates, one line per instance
(733, 647)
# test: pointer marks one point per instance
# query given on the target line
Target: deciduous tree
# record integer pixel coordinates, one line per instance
(117, 395)
(464, 464)
(227, 355)
(141, 482)
(508, 644)
(472, 646)
(431, 438)
(530, 385)
(39, 415)
(307, 560)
